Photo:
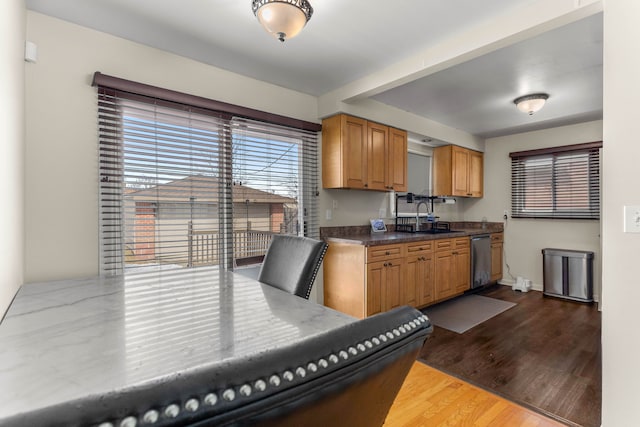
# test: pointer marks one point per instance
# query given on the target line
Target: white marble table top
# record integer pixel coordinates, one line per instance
(64, 340)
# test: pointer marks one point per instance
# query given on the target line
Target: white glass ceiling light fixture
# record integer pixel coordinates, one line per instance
(283, 19)
(531, 103)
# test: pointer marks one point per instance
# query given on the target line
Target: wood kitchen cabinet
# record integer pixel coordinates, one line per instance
(443, 267)
(457, 171)
(377, 145)
(362, 280)
(452, 267)
(461, 265)
(359, 154)
(344, 152)
(419, 284)
(397, 160)
(384, 278)
(497, 242)
(384, 281)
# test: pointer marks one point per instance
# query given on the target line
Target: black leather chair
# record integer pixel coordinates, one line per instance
(348, 376)
(292, 263)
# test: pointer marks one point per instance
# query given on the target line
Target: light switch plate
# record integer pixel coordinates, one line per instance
(632, 219)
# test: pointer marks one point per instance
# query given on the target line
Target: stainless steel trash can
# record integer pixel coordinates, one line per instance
(568, 274)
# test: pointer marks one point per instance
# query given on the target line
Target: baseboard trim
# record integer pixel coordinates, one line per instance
(534, 287)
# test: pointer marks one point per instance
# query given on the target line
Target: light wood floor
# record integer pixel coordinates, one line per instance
(432, 398)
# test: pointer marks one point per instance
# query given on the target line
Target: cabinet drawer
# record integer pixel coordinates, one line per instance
(497, 237)
(419, 248)
(380, 253)
(461, 243)
(444, 244)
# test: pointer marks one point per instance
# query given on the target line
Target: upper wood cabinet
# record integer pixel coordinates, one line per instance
(457, 171)
(397, 160)
(377, 145)
(359, 154)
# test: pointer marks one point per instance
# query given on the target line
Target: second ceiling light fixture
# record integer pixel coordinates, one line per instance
(531, 103)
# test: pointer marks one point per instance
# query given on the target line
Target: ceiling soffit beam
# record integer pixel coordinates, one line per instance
(511, 28)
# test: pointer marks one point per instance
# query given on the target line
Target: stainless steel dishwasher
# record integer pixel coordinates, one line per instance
(480, 260)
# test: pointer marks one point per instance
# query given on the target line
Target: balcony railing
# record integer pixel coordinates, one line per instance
(249, 245)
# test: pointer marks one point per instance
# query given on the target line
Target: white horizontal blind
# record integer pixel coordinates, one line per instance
(182, 186)
(167, 163)
(563, 182)
(274, 185)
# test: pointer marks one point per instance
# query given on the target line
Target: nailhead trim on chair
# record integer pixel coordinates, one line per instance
(315, 270)
(192, 405)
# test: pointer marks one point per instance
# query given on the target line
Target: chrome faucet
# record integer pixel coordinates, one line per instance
(421, 202)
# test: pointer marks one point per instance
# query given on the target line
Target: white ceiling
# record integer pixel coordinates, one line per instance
(347, 42)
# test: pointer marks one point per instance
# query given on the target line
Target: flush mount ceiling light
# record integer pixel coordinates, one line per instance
(284, 19)
(531, 103)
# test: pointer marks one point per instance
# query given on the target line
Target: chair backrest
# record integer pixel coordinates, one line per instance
(348, 376)
(292, 263)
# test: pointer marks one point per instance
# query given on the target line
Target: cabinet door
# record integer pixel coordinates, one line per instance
(461, 270)
(397, 160)
(376, 277)
(496, 261)
(354, 151)
(424, 283)
(476, 174)
(443, 266)
(414, 275)
(460, 165)
(393, 292)
(378, 136)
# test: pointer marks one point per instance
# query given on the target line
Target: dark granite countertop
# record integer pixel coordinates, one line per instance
(361, 235)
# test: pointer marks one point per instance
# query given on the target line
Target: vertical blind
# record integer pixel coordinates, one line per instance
(560, 182)
(184, 186)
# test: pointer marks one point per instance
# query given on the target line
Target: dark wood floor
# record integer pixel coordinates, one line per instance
(544, 353)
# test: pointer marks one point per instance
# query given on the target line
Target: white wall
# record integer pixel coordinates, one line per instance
(524, 239)
(621, 259)
(12, 28)
(61, 206)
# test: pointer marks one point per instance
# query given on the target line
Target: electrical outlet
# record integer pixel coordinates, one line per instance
(632, 219)
(328, 214)
(335, 204)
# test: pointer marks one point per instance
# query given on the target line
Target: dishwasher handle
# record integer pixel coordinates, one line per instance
(481, 236)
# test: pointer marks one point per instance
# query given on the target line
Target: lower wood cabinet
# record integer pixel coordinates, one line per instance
(461, 265)
(497, 242)
(384, 286)
(452, 267)
(443, 275)
(362, 281)
(419, 280)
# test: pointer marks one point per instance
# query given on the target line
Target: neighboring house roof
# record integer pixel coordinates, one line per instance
(203, 189)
